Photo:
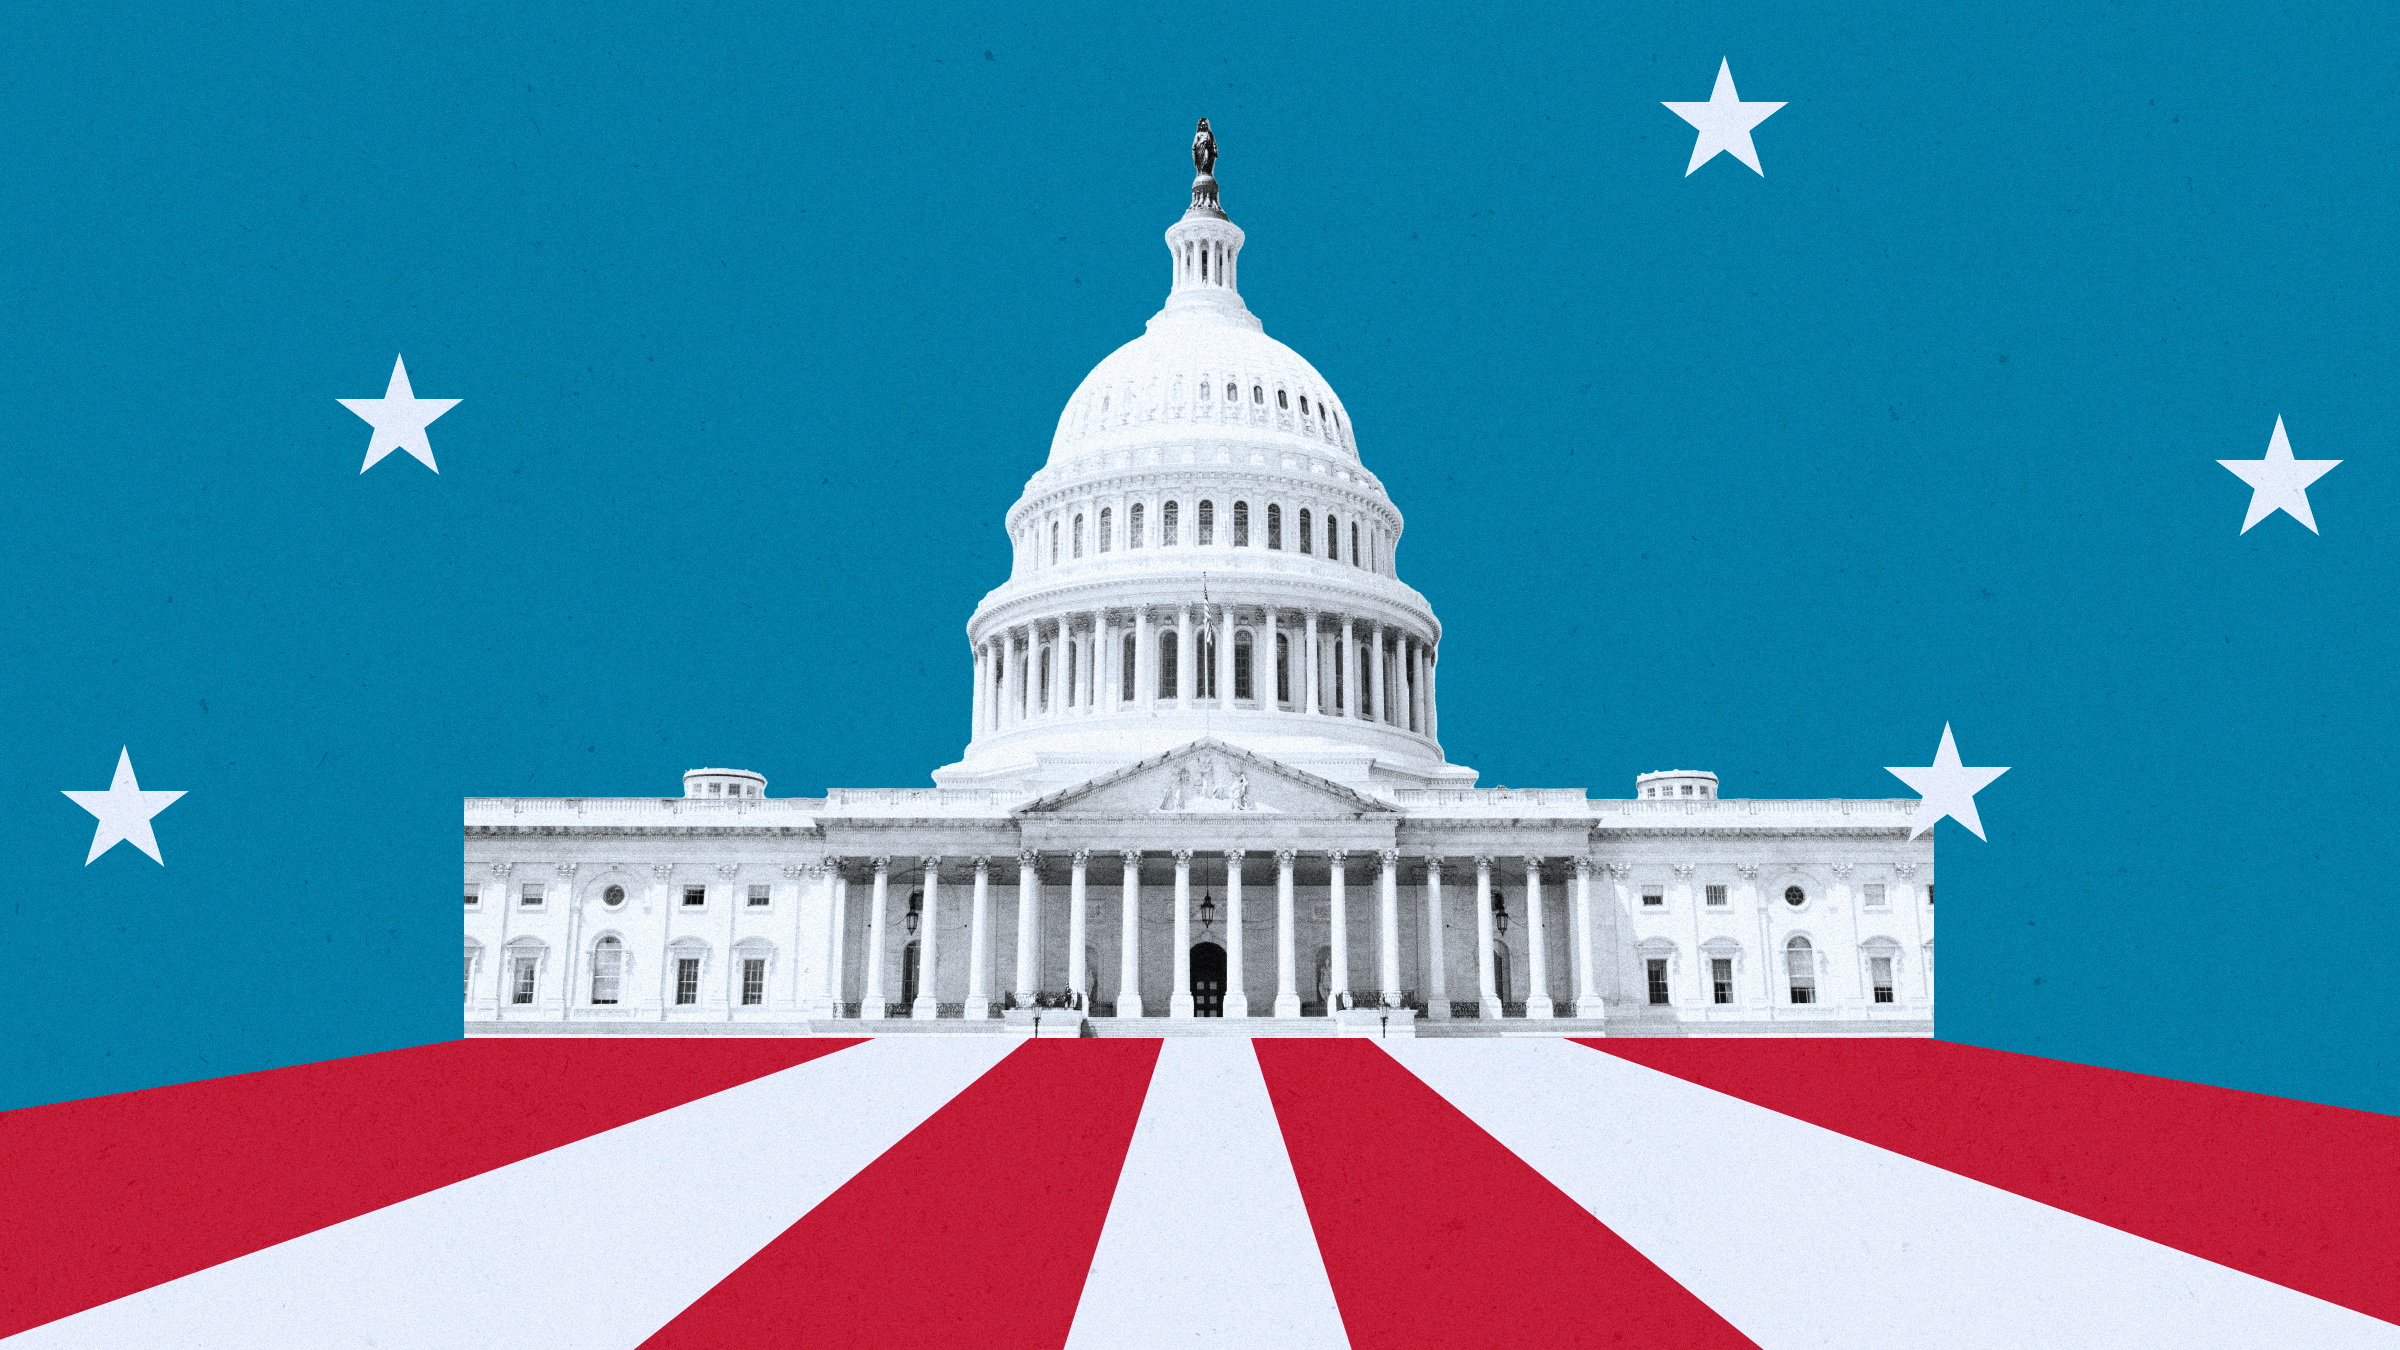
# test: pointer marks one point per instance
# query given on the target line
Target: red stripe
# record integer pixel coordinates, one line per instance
(974, 1231)
(1434, 1234)
(2305, 1195)
(110, 1195)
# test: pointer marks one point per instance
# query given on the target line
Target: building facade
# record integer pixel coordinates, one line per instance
(1203, 780)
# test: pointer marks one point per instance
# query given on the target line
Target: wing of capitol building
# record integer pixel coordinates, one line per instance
(1204, 793)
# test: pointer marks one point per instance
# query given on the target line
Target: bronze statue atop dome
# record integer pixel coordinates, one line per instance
(1204, 160)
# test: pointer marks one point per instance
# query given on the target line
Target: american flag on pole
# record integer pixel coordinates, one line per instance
(409, 405)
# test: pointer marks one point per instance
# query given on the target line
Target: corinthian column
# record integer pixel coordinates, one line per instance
(979, 945)
(1383, 702)
(1356, 685)
(1268, 699)
(1129, 958)
(1487, 991)
(1095, 663)
(870, 1003)
(1587, 1000)
(1310, 701)
(929, 1004)
(1179, 1000)
(1145, 680)
(1029, 917)
(1185, 666)
(1387, 965)
(1287, 991)
(1537, 959)
(1225, 622)
(1237, 1002)
(1437, 983)
(1336, 862)
(975, 713)
(1078, 979)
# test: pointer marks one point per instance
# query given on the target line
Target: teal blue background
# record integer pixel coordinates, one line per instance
(762, 316)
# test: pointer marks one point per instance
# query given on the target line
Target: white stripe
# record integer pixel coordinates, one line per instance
(598, 1243)
(1799, 1236)
(1207, 1240)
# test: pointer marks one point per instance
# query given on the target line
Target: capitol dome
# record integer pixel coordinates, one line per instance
(1204, 554)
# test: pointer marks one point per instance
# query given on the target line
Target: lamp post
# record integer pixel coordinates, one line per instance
(1499, 914)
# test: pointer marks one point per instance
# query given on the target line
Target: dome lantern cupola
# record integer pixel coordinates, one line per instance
(1206, 246)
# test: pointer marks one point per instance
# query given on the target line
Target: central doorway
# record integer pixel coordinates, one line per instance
(1208, 980)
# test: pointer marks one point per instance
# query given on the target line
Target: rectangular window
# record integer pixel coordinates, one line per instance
(1653, 898)
(1928, 892)
(758, 897)
(524, 990)
(694, 896)
(1882, 970)
(754, 981)
(474, 896)
(1720, 974)
(1716, 895)
(1658, 980)
(1874, 897)
(531, 896)
(687, 979)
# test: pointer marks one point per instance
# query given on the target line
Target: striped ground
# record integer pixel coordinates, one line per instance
(970, 1191)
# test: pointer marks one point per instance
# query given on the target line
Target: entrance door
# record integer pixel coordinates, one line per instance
(1208, 980)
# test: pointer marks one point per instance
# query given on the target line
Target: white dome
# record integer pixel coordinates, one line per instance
(1203, 554)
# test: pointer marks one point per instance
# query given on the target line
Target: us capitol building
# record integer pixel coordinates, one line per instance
(1204, 781)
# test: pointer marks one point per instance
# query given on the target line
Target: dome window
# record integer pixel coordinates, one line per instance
(1304, 405)
(1204, 391)
(1208, 524)
(1283, 400)
(1107, 526)
(1258, 393)
(1078, 534)
(1166, 525)
(1304, 540)
(1133, 526)
(1333, 538)
(1241, 524)
(1274, 526)
(1232, 394)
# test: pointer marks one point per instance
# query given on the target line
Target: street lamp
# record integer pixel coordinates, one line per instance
(916, 906)
(1499, 913)
(1208, 910)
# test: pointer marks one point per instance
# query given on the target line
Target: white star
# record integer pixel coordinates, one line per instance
(1947, 788)
(124, 811)
(399, 418)
(2279, 482)
(1724, 122)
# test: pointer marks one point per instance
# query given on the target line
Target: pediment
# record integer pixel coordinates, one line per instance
(1208, 777)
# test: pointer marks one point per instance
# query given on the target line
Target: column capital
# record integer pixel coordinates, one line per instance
(1533, 864)
(1236, 855)
(1584, 864)
(1483, 862)
(1436, 865)
(1028, 858)
(567, 869)
(500, 870)
(881, 865)
(1390, 856)
(1131, 856)
(1081, 856)
(1749, 871)
(983, 866)
(1840, 869)
(1338, 856)
(1284, 856)
(829, 862)
(1619, 868)
(1902, 869)
(795, 871)
(729, 870)
(1183, 857)
(933, 862)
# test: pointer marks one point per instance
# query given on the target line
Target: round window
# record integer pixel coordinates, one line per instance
(613, 896)
(1794, 896)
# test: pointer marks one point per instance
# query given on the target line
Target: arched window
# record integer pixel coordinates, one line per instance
(1304, 405)
(1074, 650)
(1283, 669)
(1204, 264)
(1107, 527)
(1208, 524)
(1340, 688)
(1366, 685)
(1274, 526)
(1242, 683)
(1304, 540)
(1258, 393)
(1231, 393)
(1166, 665)
(1800, 965)
(1794, 896)
(1043, 694)
(1354, 562)
(1125, 682)
(1204, 388)
(1133, 526)
(1078, 545)
(1241, 524)
(1333, 538)
(1166, 524)
(1054, 543)
(608, 970)
(1283, 400)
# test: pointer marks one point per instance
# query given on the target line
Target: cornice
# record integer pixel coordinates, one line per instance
(631, 831)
